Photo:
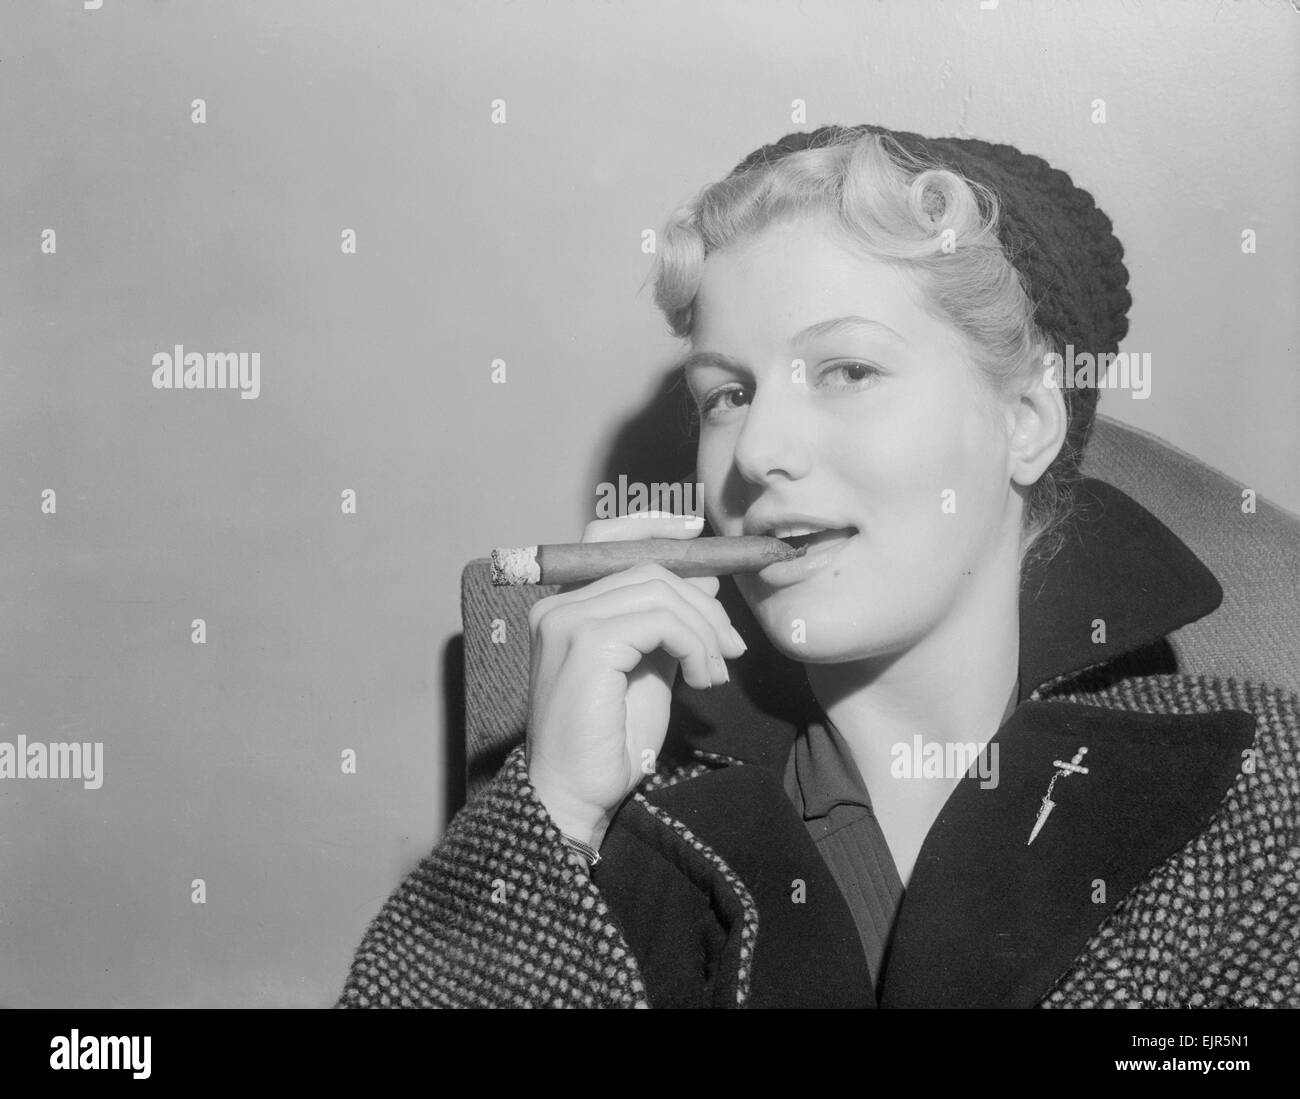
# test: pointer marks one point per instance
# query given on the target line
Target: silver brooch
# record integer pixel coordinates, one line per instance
(1062, 769)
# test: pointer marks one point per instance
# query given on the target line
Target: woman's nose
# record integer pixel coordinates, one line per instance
(774, 439)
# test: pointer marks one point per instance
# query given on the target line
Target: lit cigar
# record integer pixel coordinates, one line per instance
(581, 562)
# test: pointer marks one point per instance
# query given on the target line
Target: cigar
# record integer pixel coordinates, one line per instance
(581, 562)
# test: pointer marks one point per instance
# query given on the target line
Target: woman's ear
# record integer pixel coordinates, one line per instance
(1037, 424)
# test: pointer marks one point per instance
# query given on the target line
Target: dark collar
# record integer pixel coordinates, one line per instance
(988, 919)
(1120, 564)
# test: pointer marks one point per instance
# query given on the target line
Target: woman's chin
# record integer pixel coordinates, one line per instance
(809, 642)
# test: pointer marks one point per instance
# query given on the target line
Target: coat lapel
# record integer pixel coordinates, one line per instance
(730, 903)
(807, 952)
(991, 920)
(1121, 581)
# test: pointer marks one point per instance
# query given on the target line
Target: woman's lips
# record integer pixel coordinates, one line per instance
(822, 547)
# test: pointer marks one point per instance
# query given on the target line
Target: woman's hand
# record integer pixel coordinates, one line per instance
(604, 657)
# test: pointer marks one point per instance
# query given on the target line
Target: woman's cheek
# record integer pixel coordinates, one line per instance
(957, 479)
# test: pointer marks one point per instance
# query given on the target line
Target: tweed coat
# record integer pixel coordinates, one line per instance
(1167, 875)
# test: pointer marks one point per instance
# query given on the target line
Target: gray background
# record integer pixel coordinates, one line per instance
(476, 242)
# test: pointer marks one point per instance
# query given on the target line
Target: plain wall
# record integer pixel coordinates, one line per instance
(476, 241)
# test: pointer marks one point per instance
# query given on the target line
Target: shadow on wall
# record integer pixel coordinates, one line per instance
(657, 444)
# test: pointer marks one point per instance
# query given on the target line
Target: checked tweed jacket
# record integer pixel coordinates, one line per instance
(1168, 876)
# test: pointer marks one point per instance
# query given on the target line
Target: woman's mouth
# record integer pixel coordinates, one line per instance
(822, 547)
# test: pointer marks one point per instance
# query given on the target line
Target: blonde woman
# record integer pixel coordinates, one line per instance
(928, 784)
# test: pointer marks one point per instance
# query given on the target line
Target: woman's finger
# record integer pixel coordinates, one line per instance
(643, 524)
(728, 639)
(653, 595)
(626, 639)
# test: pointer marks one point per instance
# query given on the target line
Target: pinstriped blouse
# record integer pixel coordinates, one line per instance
(823, 782)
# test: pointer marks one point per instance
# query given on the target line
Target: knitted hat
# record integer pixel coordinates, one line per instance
(1052, 232)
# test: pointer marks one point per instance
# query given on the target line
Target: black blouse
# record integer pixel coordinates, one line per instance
(823, 782)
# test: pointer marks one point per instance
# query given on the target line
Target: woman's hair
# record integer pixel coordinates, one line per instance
(896, 208)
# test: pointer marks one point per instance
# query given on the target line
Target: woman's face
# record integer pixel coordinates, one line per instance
(887, 440)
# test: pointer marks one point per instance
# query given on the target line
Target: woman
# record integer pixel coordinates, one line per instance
(942, 776)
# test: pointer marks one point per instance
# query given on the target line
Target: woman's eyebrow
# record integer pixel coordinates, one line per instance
(839, 324)
(830, 327)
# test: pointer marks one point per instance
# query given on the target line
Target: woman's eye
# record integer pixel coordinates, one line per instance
(718, 402)
(848, 375)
